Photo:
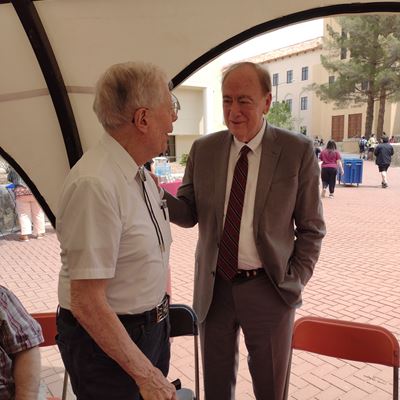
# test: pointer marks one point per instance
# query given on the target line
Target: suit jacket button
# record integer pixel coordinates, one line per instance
(213, 273)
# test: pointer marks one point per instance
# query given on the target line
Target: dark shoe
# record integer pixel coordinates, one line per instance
(384, 185)
(24, 238)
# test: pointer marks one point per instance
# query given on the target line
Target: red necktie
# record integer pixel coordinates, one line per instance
(227, 262)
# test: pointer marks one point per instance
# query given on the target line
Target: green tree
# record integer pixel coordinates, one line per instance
(364, 58)
(280, 115)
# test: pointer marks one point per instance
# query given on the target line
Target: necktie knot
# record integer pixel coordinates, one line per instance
(244, 151)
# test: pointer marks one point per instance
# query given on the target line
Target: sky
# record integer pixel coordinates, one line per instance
(275, 40)
(261, 44)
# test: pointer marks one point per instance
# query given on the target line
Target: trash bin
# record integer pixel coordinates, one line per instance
(352, 171)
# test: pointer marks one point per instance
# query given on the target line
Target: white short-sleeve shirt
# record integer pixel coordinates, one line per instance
(106, 231)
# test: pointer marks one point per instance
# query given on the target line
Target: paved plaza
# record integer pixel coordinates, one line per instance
(357, 278)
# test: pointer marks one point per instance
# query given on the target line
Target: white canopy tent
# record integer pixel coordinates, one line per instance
(53, 51)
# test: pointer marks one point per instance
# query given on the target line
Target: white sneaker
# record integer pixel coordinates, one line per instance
(331, 196)
(323, 193)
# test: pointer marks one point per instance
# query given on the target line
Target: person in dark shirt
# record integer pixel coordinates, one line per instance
(383, 153)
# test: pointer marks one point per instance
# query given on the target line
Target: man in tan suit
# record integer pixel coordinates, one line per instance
(281, 229)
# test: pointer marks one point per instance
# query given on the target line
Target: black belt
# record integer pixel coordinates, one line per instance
(154, 316)
(244, 275)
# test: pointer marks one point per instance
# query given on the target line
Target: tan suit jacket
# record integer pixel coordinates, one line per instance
(288, 223)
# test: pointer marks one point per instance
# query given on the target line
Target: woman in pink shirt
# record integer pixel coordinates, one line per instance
(331, 161)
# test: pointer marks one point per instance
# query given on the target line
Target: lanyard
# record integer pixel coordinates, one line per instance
(151, 211)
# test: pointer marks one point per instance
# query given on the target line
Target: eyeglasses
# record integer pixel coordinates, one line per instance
(175, 104)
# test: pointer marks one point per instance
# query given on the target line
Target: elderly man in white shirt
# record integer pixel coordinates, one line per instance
(115, 239)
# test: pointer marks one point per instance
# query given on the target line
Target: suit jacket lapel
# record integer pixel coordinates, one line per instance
(221, 160)
(271, 149)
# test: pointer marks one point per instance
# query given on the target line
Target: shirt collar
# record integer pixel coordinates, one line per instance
(121, 157)
(254, 143)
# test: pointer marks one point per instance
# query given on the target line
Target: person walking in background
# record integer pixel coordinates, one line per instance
(259, 237)
(331, 162)
(362, 144)
(371, 144)
(317, 149)
(28, 209)
(383, 153)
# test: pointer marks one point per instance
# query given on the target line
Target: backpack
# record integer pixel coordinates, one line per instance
(362, 144)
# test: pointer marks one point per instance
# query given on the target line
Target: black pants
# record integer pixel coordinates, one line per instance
(94, 375)
(328, 177)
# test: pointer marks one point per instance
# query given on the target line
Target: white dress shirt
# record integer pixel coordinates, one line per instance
(248, 255)
(106, 232)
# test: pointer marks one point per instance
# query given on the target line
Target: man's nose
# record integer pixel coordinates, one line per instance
(235, 107)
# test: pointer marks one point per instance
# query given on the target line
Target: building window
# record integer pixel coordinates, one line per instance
(289, 103)
(304, 74)
(275, 79)
(337, 130)
(354, 126)
(303, 130)
(171, 150)
(304, 103)
(289, 76)
(331, 79)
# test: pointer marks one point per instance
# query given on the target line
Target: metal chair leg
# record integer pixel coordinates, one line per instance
(65, 386)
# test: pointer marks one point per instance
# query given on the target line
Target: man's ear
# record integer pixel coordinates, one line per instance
(268, 101)
(140, 119)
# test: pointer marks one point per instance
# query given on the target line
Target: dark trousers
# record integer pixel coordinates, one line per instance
(94, 375)
(267, 324)
(328, 177)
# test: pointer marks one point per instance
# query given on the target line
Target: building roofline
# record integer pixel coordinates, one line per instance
(289, 51)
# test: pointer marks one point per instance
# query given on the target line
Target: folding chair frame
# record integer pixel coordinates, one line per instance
(183, 322)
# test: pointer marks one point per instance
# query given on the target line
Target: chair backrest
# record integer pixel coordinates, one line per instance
(183, 322)
(48, 323)
(348, 340)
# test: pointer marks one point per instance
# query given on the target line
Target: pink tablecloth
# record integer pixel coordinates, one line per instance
(171, 187)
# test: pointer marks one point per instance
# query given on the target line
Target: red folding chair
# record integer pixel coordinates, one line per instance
(49, 329)
(350, 341)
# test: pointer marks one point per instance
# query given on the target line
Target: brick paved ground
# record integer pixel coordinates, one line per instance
(357, 278)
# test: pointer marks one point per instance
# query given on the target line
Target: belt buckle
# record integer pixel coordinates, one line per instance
(162, 309)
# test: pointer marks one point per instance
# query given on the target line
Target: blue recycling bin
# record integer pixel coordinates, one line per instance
(352, 171)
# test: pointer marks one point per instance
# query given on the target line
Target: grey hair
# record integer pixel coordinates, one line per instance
(262, 73)
(125, 87)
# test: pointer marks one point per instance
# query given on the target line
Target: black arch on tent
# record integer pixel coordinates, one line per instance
(37, 36)
(354, 8)
(35, 31)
